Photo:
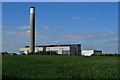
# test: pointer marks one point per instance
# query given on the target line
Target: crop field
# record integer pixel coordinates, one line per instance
(59, 66)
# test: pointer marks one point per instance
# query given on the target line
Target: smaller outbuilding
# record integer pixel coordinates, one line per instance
(91, 52)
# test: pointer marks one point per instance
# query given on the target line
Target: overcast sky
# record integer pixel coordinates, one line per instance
(94, 25)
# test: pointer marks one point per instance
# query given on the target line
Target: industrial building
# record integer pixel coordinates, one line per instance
(90, 52)
(60, 49)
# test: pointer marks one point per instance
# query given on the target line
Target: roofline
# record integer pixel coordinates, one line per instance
(91, 49)
(56, 45)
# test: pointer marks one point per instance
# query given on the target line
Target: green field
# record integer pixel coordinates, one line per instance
(56, 66)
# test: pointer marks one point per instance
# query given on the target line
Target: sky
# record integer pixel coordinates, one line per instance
(94, 25)
(60, 1)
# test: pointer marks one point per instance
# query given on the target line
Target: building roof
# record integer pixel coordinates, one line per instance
(56, 45)
(91, 50)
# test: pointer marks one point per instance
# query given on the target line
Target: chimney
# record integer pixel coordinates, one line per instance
(32, 29)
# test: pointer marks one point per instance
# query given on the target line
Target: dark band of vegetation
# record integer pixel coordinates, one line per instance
(55, 53)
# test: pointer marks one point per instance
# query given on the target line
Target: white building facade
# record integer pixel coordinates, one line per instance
(60, 49)
(90, 52)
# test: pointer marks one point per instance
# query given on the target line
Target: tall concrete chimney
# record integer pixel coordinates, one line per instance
(32, 29)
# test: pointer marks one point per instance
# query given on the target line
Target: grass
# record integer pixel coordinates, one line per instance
(56, 66)
(0, 66)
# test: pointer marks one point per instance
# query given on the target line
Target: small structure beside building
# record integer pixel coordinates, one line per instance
(59, 49)
(91, 52)
(3, 53)
(18, 53)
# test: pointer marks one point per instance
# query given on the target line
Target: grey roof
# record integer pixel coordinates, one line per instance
(56, 45)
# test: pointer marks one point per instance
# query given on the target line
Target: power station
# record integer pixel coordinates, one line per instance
(59, 49)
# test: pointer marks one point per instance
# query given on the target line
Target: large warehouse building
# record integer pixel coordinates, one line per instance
(60, 49)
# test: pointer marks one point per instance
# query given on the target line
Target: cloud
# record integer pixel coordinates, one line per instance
(76, 18)
(1, 27)
(25, 34)
(108, 33)
(112, 42)
(22, 27)
(78, 36)
(88, 36)
(20, 39)
(10, 32)
(47, 28)
(16, 34)
(104, 46)
(29, 32)
(43, 36)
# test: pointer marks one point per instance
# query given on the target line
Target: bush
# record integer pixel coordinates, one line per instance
(23, 54)
(43, 53)
(106, 55)
(32, 53)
